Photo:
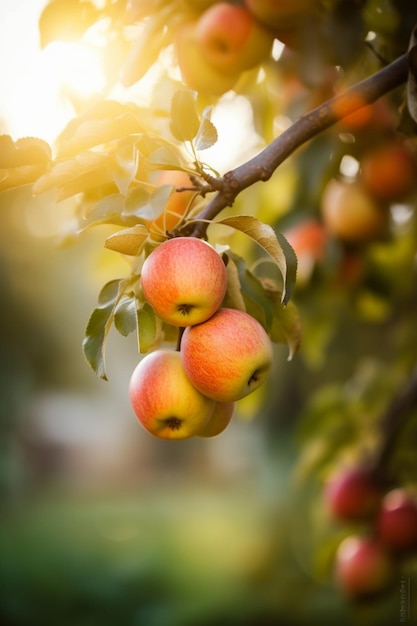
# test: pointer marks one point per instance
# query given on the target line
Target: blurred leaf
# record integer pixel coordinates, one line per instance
(166, 157)
(273, 243)
(286, 326)
(207, 133)
(99, 325)
(149, 328)
(184, 123)
(147, 205)
(145, 50)
(125, 319)
(19, 176)
(412, 77)
(66, 20)
(129, 241)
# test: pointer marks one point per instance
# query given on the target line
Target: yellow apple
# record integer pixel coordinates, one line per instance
(163, 399)
(220, 419)
(231, 39)
(196, 72)
(228, 356)
(350, 213)
(185, 280)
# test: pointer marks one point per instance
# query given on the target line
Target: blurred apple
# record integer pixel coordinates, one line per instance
(231, 39)
(308, 239)
(389, 172)
(228, 356)
(362, 567)
(197, 73)
(185, 280)
(397, 521)
(165, 402)
(352, 494)
(351, 214)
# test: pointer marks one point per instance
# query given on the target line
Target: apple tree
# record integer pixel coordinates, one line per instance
(315, 221)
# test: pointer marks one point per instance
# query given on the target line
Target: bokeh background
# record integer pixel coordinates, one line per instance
(102, 524)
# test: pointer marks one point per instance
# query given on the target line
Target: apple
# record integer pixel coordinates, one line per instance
(177, 203)
(362, 567)
(185, 280)
(231, 39)
(280, 14)
(163, 399)
(308, 239)
(196, 72)
(228, 356)
(220, 419)
(352, 494)
(350, 213)
(389, 172)
(397, 521)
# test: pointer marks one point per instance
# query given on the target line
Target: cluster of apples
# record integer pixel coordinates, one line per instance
(216, 47)
(357, 210)
(366, 563)
(224, 353)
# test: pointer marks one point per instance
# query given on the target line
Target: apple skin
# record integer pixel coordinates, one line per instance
(351, 214)
(196, 72)
(362, 567)
(389, 172)
(228, 356)
(231, 39)
(308, 239)
(220, 419)
(163, 399)
(185, 280)
(397, 521)
(352, 495)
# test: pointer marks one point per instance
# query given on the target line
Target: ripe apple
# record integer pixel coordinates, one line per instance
(163, 399)
(397, 521)
(220, 419)
(308, 239)
(362, 567)
(196, 72)
(351, 214)
(185, 280)
(228, 356)
(231, 39)
(176, 205)
(279, 14)
(352, 494)
(389, 172)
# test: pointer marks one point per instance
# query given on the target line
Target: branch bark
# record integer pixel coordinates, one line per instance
(263, 165)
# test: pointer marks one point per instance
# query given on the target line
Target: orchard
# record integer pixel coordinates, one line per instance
(232, 207)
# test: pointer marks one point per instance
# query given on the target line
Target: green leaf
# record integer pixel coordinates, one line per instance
(166, 157)
(147, 205)
(125, 318)
(98, 326)
(273, 243)
(256, 299)
(207, 133)
(128, 241)
(184, 119)
(286, 326)
(149, 328)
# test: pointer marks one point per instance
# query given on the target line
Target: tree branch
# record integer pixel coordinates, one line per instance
(262, 166)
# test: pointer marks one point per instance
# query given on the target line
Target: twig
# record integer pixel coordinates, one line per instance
(262, 166)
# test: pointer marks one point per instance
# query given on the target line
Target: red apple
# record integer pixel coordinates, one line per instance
(165, 402)
(185, 280)
(352, 494)
(228, 356)
(389, 172)
(397, 521)
(362, 567)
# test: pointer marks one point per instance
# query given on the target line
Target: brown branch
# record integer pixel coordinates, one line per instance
(262, 166)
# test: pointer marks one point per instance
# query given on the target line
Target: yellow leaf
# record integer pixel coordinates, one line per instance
(128, 241)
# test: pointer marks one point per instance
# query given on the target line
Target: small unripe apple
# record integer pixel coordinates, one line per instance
(196, 72)
(165, 402)
(397, 521)
(389, 172)
(185, 280)
(231, 39)
(351, 214)
(220, 419)
(228, 356)
(362, 567)
(353, 494)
